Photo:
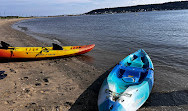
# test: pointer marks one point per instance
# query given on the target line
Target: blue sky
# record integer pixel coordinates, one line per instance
(61, 7)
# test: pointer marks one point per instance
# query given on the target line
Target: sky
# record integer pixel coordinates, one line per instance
(63, 7)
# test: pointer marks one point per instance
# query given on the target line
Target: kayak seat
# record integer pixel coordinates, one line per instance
(132, 74)
(129, 75)
(56, 47)
(4, 45)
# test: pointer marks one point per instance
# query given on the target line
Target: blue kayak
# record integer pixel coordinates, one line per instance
(128, 85)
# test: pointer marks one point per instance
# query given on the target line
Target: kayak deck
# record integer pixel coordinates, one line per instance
(43, 52)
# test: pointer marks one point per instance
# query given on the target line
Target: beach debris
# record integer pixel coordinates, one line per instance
(27, 90)
(31, 105)
(68, 104)
(38, 84)
(12, 70)
(10, 102)
(2, 75)
(45, 80)
(26, 78)
(42, 91)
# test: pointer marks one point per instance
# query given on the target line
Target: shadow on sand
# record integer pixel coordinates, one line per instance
(87, 101)
(80, 57)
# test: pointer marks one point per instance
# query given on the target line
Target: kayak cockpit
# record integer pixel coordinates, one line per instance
(130, 75)
(138, 59)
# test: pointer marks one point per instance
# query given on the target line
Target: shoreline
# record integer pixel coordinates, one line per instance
(52, 84)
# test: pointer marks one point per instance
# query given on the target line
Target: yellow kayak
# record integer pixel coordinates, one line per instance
(42, 52)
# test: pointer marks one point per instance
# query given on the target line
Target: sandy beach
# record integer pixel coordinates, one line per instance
(48, 85)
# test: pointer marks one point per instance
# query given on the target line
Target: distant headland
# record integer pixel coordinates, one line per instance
(179, 5)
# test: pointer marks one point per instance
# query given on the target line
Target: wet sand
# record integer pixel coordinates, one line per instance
(70, 84)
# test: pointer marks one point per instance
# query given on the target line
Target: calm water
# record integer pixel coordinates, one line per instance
(162, 34)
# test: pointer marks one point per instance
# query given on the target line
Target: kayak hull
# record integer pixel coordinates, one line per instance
(118, 95)
(43, 52)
